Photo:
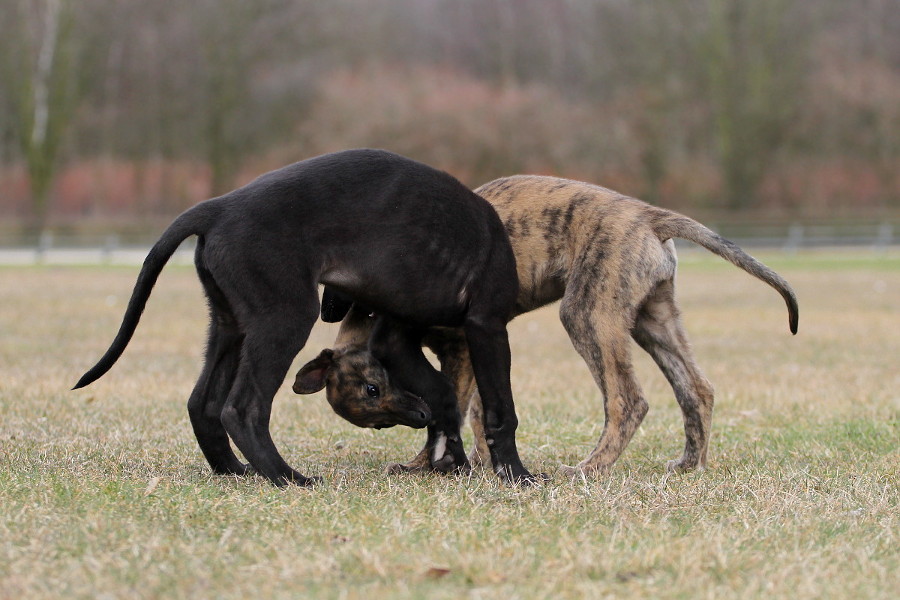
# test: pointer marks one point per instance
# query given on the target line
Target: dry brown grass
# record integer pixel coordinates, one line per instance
(103, 492)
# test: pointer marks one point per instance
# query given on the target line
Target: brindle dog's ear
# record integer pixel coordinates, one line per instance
(311, 376)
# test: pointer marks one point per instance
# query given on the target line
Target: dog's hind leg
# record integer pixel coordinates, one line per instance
(490, 357)
(208, 397)
(223, 349)
(270, 344)
(601, 336)
(481, 452)
(659, 331)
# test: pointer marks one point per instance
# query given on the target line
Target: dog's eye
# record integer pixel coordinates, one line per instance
(372, 390)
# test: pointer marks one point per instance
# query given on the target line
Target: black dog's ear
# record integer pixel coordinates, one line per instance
(335, 305)
(311, 376)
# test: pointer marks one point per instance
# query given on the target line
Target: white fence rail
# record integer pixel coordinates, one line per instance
(878, 236)
(54, 249)
(112, 249)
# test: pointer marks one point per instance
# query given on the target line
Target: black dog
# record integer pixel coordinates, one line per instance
(410, 241)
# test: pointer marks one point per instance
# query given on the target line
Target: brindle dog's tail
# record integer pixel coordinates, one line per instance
(668, 224)
(194, 221)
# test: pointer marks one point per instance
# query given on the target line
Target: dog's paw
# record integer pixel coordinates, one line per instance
(683, 466)
(302, 481)
(448, 463)
(395, 469)
(410, 467)
(423, 463)
(449, 456)
(444, 464)
(235, 467)
(582, 471)
(419, 464)
(537, 479)
(567, 471)
(520, 476)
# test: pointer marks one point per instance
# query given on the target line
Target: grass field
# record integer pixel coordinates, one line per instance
(104, 493)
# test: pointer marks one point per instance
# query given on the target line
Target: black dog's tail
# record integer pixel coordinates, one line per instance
(668, 224)
(194, 221)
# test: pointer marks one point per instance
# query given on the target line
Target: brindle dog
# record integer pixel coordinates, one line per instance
(611, 260)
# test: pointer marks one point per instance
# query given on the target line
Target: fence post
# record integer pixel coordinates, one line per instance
(45, 242)
(885, 237)
(111, 244)
(794, 238)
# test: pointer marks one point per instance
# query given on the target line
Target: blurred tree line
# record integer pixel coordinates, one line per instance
(137, 109)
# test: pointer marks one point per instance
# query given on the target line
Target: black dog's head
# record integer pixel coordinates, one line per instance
(360, 391)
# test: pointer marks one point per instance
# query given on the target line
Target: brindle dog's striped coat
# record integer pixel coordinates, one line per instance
(611, 261)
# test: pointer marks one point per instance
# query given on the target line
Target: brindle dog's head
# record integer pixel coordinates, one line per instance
(359, 390)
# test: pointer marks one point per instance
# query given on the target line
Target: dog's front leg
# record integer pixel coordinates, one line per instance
(444, 451)
(399, 349)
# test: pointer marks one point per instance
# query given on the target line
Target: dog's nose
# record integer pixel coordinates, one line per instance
(419, 417)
